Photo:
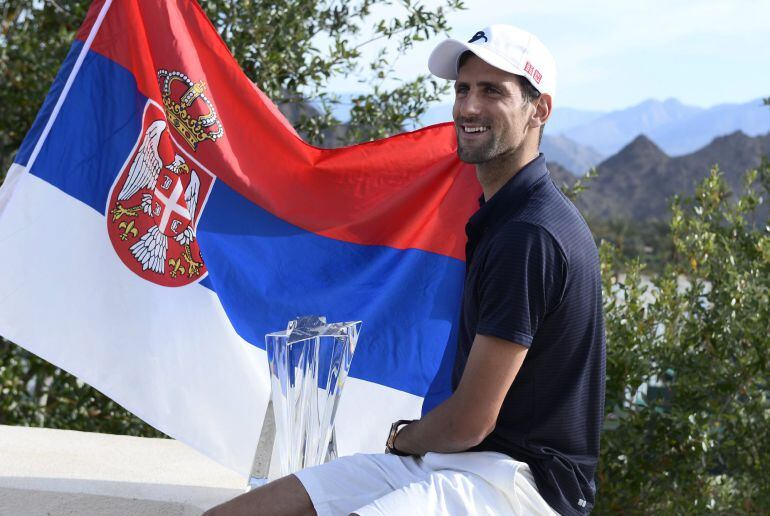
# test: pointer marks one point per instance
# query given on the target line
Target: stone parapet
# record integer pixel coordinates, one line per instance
(61, 472)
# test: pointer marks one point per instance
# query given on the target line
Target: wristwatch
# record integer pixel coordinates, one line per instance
(390, 443)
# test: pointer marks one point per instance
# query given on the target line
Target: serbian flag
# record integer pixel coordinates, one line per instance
(162, 216)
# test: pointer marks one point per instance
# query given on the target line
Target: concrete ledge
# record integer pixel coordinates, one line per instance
(61, 472)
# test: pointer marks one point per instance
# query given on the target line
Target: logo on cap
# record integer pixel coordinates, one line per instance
(480, 34)
(534, 72)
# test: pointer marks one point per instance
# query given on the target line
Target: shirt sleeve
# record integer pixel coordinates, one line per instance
(522, 281)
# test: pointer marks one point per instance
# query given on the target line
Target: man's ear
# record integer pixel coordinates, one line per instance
(542, 111)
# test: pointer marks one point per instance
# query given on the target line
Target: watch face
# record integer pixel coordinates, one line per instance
(392, 435)
(391, 442)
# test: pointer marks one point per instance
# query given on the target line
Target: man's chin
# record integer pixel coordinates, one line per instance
(469, 160)
(472, 157)
(475, 152)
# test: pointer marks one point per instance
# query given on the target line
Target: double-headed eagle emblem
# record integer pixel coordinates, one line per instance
(174, 215)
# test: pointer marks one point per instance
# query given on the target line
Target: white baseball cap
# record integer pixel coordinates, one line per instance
(505, 47)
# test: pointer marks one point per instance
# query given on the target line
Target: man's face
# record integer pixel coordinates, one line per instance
(489, 112)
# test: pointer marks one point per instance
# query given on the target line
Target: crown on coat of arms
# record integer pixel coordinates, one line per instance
(194, 129)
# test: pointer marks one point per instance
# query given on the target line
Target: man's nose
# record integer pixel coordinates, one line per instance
(470, 105)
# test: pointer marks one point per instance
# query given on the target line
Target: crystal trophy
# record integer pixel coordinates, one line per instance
(309, 362)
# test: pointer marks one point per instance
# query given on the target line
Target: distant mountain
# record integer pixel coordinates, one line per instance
(753, 118)
(576, 158)
(677, 128)
(560, 175)
(639, 182)
(640, 155)
(564, 118)
(610, 132)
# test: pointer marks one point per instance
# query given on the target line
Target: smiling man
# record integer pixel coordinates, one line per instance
(520, 433)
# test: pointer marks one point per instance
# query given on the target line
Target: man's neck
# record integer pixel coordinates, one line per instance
(493, 174)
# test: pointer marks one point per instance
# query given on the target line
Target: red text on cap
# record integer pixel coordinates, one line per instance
(534, 72)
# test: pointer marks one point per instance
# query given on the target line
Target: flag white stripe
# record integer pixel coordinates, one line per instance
(170, 355)
(6, 189)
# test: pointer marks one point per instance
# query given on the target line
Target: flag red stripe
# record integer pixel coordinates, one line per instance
(408, 191)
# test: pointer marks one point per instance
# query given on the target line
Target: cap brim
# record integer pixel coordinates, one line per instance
(443, 60)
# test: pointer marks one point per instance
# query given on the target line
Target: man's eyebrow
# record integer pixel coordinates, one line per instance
(498, 85)
(493, 84)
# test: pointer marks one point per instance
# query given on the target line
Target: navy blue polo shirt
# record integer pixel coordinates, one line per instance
(532, 278)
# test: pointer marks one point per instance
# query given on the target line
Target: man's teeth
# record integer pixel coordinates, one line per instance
(475, 129)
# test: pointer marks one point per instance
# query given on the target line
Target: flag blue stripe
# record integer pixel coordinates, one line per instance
(28, 145)
(94, 132)
(265, 270)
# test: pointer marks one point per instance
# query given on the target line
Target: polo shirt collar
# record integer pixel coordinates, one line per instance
(508, 197)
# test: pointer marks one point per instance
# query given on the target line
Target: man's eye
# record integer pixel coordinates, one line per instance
(493, 91)
(461, 90)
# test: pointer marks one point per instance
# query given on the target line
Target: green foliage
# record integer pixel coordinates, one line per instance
(687, 380)
(580, 185)
(34, 40)
(648, 241)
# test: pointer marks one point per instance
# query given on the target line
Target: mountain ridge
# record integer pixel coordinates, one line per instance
(675, 127)
(639, 181)
(576, 158)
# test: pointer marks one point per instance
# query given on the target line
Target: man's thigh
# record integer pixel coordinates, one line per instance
(473, 488)
(347, 483)
(442, 492)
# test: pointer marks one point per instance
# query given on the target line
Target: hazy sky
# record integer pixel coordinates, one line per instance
(612, 55)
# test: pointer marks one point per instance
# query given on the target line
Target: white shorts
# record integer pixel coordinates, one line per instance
(439, 483)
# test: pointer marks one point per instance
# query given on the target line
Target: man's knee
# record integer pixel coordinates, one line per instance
(283, 496)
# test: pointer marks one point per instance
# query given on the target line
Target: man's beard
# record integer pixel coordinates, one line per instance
(478, 152)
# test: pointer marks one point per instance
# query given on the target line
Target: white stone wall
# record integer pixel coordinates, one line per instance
(59, 472)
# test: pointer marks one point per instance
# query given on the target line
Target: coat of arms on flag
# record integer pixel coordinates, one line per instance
(158, 196)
